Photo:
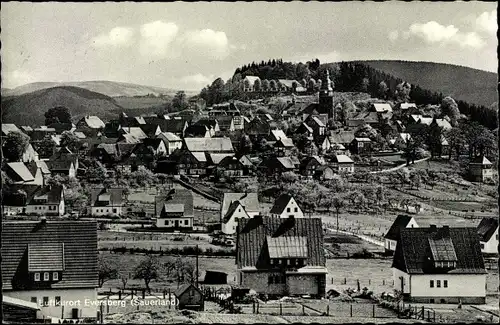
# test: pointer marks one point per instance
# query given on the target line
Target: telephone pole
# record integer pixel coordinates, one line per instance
(196, 275)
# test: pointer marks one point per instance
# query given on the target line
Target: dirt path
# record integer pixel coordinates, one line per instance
(398, 167)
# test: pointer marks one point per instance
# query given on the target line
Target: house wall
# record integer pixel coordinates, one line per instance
(259, 281)
(70, 298)
(170, 222)
(403, 285)
(390, 245)
(492, 245)
(190, 297)
(304, 284)
(11, 211)
(295, 210)
(106, 210)
(43, 209)
(346, 168)
(229, 227)
(171, 146)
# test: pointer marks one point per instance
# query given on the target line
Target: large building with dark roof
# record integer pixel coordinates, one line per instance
(281, 257)
(440, 265)
(488, 234)
(50, 266)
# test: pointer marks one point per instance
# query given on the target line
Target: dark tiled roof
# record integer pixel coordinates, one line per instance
(487, 228)
(59, 165)
(149, 129)
(114, 196)
(250, 201)
(252, 234)
(80, 253)
(400, 222)
(210, 123)
(196, 130)
(176, 196)
(232, 208)
(414, 256)
(49, 194)
(280, 204)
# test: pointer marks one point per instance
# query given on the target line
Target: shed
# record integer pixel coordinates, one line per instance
(190, 297)
(215, 277)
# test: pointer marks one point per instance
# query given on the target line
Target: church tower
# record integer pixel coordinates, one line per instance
(326, 97)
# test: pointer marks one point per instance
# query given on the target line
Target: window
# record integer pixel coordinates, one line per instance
(107, 210)
(288, 210)
(438, 283)
(191, 293)
(482, 246)
(432, 284)
(45, 301)
(37, 276)
(288, 262)
(55, 276)
(295, 209)
(46, 276)
(33, 299)
(114, 210)
(445, 283)
(58, 300)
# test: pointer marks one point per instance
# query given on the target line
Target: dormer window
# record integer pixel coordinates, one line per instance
(46, 276)
(443, 252)
(37, 276)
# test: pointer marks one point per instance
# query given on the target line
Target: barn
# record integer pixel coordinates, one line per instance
(190, 297)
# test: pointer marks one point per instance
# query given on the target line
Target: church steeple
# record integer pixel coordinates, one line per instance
(326, 97)
(326, 85)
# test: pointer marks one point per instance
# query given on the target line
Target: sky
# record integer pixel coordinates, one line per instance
(186, 46)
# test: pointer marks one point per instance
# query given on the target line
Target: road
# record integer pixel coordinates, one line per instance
(398, 167)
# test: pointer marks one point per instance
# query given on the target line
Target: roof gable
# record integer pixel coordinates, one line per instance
(487, 228)
(281, 203)
(175, 196)
(401, 222)
(250, 201)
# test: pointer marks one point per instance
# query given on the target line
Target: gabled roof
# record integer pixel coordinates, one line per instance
(278, 134)
(128, 138)
(318, 121)
(382, 107)
(224, 121)
(183, 288)
(280, 204)
(136, 132)
(362, 139)
(169, 136)
(208, 122)
(232, 209)
(8, 128)
(216, 158)
(481, 160)
(401, 222)
(307, 127)
(80, 252)
(175, 196)
(487, 228)
(175, 125)
(443, 123)
(149, 129)
(252, 243)
(196, 130)
(250, 201)
(43, 166)
(369, 117)
(101, 196)
(414, 254)
(209, 144)
(49, 194)
(286, 162)
(93, 122)
(408, 105)
(285, 143)
(342, 159)
(21, 171)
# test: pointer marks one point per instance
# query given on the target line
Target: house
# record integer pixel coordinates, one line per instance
(276, 135)
(306, 130)
(8, 128)
(63, 162)
(339, 149)
(480, 169)
(285, 206)
(106, 201)
(136, 132)
(45, 200)
(370, 118)
(176, 126)
(284, 147)
(172, 141)
(249, 83)
(19, 311)
(90, 125)
(44, 264)
(189, 297)
(407, 106)
(250, 201)
(211, 123)
(488, 235)
(281, 256)
(317, 125)
(442, 123)
(381, 107)
(30, 154)
(279, 165)
(21, 173)
(130, 121)
(230, 220)
(230, 166)
(185, 162)
(40, 133)
(151, 130)
(175, 210)
(342, 137)
(323, 172)
(226, 123)
(439, 265)
(258, 127)
(342, 164)
(309, 165)
(322, 143)
(361, 146)
(416, 123)
(391, 238)
(198, 131)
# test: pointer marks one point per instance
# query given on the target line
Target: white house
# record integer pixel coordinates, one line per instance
(343, 164)
(488, 234)
(401, 140)
(45, 200)
(107, 201)
(46, 270)
(250, 201)
(175, 210)
(440, 265)
(285, 206)
(172, 141)
(235, 213)
(391, 238)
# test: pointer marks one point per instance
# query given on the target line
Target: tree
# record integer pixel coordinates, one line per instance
(179, 102)
(58, 114)
(70, 141)
(380, 194)
(382, 90)
(46, 147)
(403, 92)
(257, 85)
(449, 107)
(245, 145)
(148, 270)
(265, 85)
(15, 145)
(107, 271)
(338, 202)
(97, 173)
(415, 180)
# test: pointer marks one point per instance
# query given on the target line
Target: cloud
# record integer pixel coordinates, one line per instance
(207, 42)
(118, 36)
(157, 37)
(198, 79)
(487, 22)
(434, 33)
(393, 36)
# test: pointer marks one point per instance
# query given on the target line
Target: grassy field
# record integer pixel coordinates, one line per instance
(139, 102)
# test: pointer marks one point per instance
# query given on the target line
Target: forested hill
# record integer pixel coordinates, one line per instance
(434, 82)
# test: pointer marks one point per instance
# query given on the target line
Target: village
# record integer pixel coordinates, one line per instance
(165, 200)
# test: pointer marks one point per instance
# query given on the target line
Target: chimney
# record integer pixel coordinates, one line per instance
(43, 220)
